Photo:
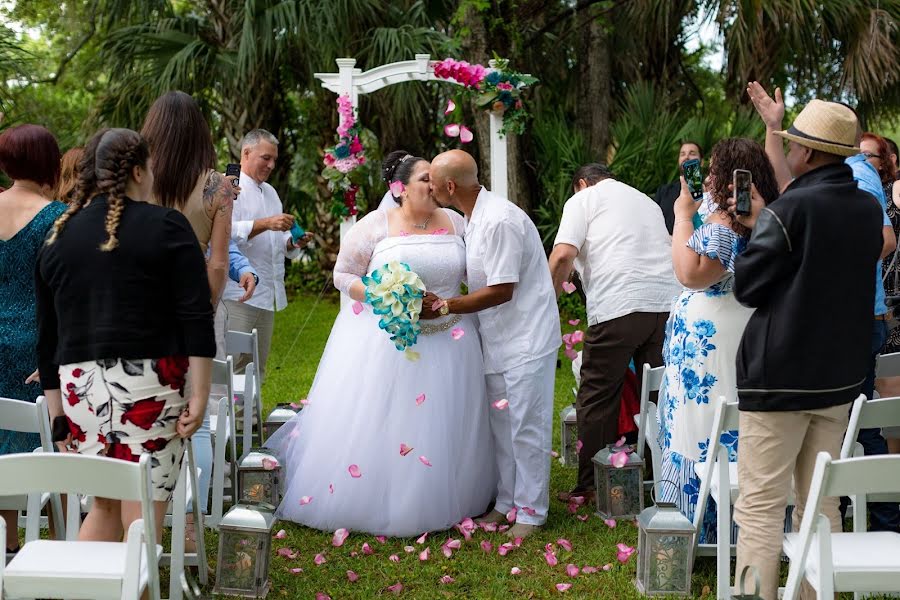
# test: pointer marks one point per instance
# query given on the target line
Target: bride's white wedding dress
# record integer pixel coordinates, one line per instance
(368, 399)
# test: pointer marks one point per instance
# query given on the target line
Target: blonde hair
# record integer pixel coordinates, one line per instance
(105, 168)
(68, 174)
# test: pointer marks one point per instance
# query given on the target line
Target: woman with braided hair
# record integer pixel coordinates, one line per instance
(124, 318)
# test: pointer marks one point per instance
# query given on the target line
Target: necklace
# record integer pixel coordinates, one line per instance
(423, 226)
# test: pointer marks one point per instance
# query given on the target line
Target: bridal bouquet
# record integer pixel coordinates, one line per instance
(395, 292)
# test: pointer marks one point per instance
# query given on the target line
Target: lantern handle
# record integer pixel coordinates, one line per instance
(660, 482)
(756, 584)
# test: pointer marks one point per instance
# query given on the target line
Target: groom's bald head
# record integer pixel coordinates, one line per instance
(451, 172)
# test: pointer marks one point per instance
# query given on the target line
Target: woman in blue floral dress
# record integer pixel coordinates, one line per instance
(706, 324)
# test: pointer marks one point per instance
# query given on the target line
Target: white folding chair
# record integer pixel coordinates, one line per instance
(82, 570)
(223, 429)
(648, 428)
(177, 559)
(887, 365)
(861, 561)
(247, 385)
(30, 417)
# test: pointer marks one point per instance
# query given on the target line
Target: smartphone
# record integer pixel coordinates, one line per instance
(693, 177)
(742, 181)
(233, 170)
(297, 232)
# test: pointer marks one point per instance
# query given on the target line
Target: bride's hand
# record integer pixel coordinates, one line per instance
(428, 302)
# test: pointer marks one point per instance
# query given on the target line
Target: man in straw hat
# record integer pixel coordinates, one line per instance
(809, 276)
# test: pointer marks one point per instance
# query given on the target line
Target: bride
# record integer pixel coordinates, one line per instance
(389, 445)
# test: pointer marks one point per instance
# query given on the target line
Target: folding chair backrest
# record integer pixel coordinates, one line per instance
(75, 474)
(888, 365)
(725, 418)
(223, 375)
(251, 400)
(238, 342)
(27, 417)
(869, 414)
(651, 381)
(863, 475)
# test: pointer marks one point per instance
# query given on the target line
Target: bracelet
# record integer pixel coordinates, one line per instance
(682, 221)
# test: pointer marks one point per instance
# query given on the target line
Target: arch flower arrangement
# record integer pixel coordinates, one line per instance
(343, 160)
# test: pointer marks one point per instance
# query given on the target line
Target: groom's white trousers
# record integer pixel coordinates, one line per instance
(523, 434)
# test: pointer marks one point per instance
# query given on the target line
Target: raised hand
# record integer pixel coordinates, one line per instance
(770, 110)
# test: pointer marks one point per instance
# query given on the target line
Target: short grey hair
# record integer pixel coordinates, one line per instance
(254, 137)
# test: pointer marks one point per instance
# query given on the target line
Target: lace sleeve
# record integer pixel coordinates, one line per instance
(458, 221)
(356, 249)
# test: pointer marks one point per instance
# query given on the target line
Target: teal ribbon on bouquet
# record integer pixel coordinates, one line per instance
(395, 293)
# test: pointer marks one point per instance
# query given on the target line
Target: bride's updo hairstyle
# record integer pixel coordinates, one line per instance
(399, 166)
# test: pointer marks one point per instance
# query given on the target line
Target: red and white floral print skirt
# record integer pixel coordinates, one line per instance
(123, 408)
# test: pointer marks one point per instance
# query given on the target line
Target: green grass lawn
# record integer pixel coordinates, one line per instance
(475, 573)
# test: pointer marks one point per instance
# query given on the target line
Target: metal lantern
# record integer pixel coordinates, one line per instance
(259, 479)
(665, 545)
(245, 545)
(281, 414)
(620, 490)
(568, 436)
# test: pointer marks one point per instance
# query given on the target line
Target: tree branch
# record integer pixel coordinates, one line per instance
(582, 4)
(92, 29)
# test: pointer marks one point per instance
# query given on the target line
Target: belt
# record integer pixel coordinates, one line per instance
(884, 317)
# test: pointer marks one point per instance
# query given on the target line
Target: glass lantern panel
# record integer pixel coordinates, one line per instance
(237, 560)
(642, 558)
(600, 475)
(625, 491)
(668, 558)
(570, 438)
(258, 486)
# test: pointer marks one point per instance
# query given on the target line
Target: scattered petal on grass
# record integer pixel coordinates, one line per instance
(582, 518)
(381, 539)
(457, 333)
(489, 527)
(572, 570)
(451, 106)
(447, 579)
(319, 559)
(367, 549)
(573, 508)
(568, 287)
(465, 135)
(296, 570)
(606, 567)
(409, 549)
(505, 548)
(529, 511)
(564, 544)
(550, 558)
(453, 544)
(571, 354)
(352, 576)
(563, 587)
(554, 454)
(357, 307)
(451, 130)
(394, 558)
(515, 571)
(420, 399)
(501, 404)
(424, 461)
(576, 500)
(487, 546)
(321, 596)
(404, 449)
(340, 536)
(577, 337)
(619, 459)
(588, 570)
(281, 534)
(354, 471)
(422, 538)
(502, 527)
(574, 322)
(518, 541)
(624, 552)
(288, 553)
(511, 515)
(396, 588)
(610, 523)
(304, 500)
(354, 554)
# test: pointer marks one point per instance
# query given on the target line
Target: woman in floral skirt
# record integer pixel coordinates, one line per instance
(706, 324)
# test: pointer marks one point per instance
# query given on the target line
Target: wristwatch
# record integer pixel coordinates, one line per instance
(444, 310)
(255, 278)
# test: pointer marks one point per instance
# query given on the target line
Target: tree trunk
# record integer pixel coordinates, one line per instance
(594, 91)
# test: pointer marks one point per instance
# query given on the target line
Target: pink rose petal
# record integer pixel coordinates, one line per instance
(451, 106)
(582, 517)
(610, 523)
(420, 399)
(563, 587)
(304, 500)
(564, 544)
(620, 442)
(340, 536)
(550, 558)
(446, 579)
(321, 596)
(554, 454)
(319, 559)
(288, 553)
(606, 567)
(567, 339)
(404, 449)
(367, 549)
(587, 570)
(518, 541)
(447, 552)
(404, 233)
(440, 231)
(574, 322)
(394, 558)
(501, 404)
(457, 333)
(572, 508)
(454, 544)
(619, 459)
(357, 307)
(296, 570)
(354, 471)
(354, 554)
(487, 546)
(515, 571)
(424, 461)
(437, 304)
(396, 588)
(422, 538)
(451, 130)
(568, 287)
(296, 406)
(397, 188)
(281, 534)
(330, 488)
(269, 464)
(572, 570)
(425, 554)
(504, 548)
(381, 539)
(409, 549)
(489, 527)
(352, 576)
(624, 552)
(304, 401)
(529, 511)
(511, 515)
(502, 527)
(578, 446)
(577, 500)
(571, 354)
(577, 337)
(465, 135)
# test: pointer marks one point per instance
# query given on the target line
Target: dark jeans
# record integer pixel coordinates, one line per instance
(883, 516)
(608, 348)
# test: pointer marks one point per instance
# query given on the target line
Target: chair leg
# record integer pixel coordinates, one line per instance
(723, 529)
(825, 574)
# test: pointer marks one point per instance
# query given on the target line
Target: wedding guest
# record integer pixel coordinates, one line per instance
(667, 193)
(706, 325)
(614, 237)
(262, 230)
(29, 156)
(124, 319)
(68, 175)
(510, 289)
(791, 407)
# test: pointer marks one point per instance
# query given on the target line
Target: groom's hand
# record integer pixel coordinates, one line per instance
(428, 303)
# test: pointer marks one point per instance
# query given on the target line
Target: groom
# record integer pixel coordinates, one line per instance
(510, 289)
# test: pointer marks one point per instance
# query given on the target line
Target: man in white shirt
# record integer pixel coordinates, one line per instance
(616, 239)
(510, 289)
(262, 231)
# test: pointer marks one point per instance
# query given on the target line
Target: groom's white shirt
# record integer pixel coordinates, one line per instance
(503, 246)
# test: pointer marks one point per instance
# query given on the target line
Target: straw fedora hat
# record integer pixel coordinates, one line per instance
(825, 126)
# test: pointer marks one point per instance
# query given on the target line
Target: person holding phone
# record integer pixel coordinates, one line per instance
(706, 323)
(667, 194)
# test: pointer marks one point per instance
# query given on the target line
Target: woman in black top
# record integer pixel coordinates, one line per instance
(123, 317)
